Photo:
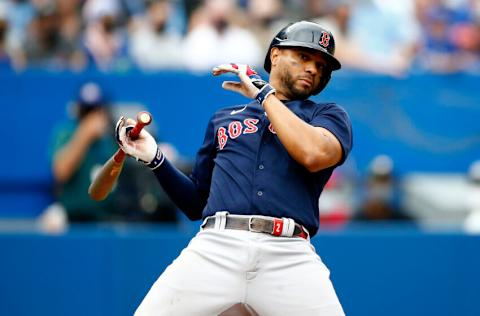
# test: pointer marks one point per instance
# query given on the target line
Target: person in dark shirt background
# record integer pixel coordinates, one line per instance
(78, 150)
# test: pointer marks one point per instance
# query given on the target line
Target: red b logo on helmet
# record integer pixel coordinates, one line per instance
(324, 39)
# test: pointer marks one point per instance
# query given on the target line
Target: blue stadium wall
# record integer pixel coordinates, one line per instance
(382, 271)
(425, 123)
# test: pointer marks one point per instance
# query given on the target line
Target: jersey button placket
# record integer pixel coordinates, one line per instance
(259, 173)
(260, 192)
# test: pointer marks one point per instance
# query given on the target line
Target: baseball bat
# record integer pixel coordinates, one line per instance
(106, 178)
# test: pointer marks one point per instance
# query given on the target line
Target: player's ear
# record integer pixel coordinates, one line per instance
(274, 56)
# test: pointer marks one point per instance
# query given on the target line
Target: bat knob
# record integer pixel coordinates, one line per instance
(144, 118)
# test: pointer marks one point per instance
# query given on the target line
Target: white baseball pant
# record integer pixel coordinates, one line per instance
(221, 267)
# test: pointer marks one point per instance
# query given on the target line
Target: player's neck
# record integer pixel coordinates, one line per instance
(281, 96)
(279, 93)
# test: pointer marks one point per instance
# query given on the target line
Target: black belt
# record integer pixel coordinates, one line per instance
(271, 226)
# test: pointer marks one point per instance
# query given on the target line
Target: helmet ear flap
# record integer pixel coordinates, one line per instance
(267, 65)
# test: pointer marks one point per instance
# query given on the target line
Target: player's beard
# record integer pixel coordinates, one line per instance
(292, 92)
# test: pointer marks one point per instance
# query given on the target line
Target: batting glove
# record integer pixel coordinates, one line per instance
(144, 148)
(250, 85)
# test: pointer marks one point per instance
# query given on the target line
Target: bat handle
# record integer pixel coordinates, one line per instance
(143, 119)
(119, 156)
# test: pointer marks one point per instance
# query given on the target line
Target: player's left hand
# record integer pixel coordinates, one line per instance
(250, 82)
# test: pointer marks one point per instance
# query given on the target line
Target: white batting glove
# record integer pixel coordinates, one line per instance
(250, 85)
(144, 148)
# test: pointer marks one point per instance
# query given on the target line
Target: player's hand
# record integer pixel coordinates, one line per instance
(250, 82)
(144, 148)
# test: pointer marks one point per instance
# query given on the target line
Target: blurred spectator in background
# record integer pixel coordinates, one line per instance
(80, 148)
(384, 37)
(336, 204)
(374, 36)
(152, 45)
(217, 35)
(53, 37)
(380, 197)
(5, 59)
(105, 39)
(42, 43)
(18, 15)
(438, 52)
(70, 29)
(265, 19)
(337, 19)
(450, 36)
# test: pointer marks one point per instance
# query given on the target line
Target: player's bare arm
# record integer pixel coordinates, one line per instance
(315, 148)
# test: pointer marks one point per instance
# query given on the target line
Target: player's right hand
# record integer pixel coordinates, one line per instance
(144, 148)
(250, 85)
(250, 82)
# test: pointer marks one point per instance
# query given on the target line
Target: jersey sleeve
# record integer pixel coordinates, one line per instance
(335, 119)
(204, 162)
(190, 193)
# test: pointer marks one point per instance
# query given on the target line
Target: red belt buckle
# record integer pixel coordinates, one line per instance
(277, 227)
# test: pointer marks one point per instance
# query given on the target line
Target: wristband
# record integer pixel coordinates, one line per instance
(264, 93)
(157, 160)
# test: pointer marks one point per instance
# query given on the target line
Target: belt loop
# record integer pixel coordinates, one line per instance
(220, 220)
(205, 220)
(306, 232)
(288, 227)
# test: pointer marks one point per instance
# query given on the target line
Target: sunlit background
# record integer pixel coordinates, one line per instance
(399, 221)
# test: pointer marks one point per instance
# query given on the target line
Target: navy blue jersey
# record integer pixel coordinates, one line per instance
(243, 168)
(248, 170)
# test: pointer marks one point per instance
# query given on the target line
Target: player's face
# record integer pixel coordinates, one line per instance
(300, 71)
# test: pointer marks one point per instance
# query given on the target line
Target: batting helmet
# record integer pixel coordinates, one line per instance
(309, 35)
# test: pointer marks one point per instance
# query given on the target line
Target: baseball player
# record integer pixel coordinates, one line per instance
(256, 183)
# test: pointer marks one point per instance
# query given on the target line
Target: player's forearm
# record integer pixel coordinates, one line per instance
(310, 146)
(181, 189)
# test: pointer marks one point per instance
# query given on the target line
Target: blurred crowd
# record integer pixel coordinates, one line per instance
(394, 38)
(387, 37)
(383, 194)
